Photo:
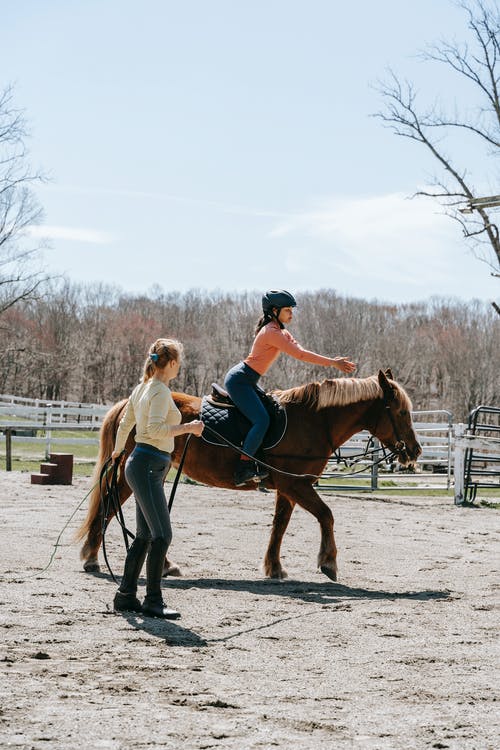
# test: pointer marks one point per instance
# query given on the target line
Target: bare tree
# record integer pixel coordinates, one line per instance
(477, 60)
(20, 278)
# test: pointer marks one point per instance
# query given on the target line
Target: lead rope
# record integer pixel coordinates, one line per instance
(56, 544)
(386, 457)
(110, 505)
(110, 501)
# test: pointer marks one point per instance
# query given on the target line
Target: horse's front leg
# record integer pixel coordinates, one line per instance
(283, 511)
(302, 493)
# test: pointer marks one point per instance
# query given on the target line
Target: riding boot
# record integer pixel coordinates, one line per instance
(125, 598)
(248, 471)
(153, 604)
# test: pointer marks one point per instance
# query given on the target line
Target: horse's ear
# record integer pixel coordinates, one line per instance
(387, 388)
(389, 374)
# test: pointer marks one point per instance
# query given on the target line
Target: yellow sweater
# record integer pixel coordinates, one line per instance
(152, 410)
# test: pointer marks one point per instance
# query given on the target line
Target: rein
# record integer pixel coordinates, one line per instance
(238, 449)
(110, 500)
(399, 445)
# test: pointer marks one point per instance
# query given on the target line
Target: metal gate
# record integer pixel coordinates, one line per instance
(482, 465)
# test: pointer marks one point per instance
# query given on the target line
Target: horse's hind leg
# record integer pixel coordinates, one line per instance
(90, 550)
(171, 569)
(283, 511)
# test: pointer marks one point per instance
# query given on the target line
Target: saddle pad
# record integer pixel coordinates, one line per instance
(230, 423)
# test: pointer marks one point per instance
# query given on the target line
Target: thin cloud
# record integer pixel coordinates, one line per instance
(72, 234)
(384, 236)
(227, 208)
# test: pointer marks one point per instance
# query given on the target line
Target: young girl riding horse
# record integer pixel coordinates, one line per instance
(241, 381)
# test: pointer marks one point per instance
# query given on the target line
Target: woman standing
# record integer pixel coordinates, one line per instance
(152, 410)
(271, 338)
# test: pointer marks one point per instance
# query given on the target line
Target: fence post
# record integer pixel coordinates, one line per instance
(374, 470)
(8, 449)
(459, 463)
(48, 433)
(450, 437)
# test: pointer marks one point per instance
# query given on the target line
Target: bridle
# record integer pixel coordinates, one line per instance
(399, 445)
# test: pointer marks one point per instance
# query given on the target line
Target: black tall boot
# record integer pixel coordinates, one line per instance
(153, 604)
(248, 471)
(125, 598)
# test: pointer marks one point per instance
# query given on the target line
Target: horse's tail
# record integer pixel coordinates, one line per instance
(106, 445)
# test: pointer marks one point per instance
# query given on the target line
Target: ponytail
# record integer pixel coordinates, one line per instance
(268, 317)
(161, 352)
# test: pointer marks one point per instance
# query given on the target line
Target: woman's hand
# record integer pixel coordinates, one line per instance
(115, 455)
(195, 427)
(344, 364)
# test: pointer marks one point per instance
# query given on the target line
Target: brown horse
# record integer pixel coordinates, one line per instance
(320, 418)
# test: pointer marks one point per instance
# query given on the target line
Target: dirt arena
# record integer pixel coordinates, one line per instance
(401, 653)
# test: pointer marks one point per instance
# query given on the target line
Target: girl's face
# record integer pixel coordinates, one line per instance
(286, 315)
(172, 368)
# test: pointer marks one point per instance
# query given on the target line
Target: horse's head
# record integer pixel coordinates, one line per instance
(392, 423)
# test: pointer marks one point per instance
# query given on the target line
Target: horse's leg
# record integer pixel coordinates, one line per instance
(90, 550)
(304, 495)
(171, 569)
(283, 511)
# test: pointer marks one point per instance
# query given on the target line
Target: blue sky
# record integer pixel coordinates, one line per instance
(229, 145)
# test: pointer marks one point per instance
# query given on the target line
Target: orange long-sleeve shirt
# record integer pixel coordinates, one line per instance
(270, 341)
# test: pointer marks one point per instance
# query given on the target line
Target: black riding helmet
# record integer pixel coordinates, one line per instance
(277, 298)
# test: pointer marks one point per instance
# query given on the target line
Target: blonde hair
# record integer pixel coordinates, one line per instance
(160, 353)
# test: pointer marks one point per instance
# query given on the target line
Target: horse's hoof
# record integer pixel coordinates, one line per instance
(91, 567)
(277, 574)
(172, 570)
(330, 572)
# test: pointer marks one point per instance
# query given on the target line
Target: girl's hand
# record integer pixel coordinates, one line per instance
(196, 427)
(115, 455)
(344, 364)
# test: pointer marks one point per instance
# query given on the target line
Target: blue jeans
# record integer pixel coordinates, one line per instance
(145, 471)
(241, 384)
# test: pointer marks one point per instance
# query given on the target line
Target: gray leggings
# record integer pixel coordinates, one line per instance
(145, 471)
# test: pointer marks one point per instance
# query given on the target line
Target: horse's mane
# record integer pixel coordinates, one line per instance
(340, 392)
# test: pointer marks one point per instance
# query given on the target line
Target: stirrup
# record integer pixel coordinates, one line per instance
(250, 473)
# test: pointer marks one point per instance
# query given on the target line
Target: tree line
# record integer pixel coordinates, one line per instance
(88, 343)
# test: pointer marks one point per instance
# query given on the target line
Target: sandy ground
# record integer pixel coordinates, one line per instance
(403, 652)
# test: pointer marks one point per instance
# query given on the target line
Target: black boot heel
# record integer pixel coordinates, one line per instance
(126, 602)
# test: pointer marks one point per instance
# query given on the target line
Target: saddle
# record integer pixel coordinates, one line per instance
(219, 413)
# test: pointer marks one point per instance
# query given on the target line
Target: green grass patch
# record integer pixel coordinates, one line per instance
(487, 504)
(27, 456)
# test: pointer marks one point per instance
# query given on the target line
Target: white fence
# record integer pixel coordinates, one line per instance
(23, 419)
(434, 431)
(47, 412)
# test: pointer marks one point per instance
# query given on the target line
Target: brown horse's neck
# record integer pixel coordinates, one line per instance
(318, 433)
(346, 421)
